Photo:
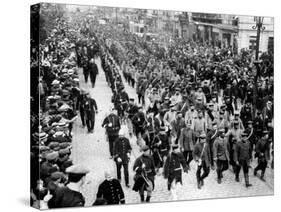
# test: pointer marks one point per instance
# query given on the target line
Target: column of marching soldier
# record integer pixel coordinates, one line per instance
(172, 126)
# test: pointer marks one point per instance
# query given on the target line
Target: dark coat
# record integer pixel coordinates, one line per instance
(242, 151)
(64, 197)
(111, 191)
(121, 148)
(112, 124)
(172, 167)
(205, 156)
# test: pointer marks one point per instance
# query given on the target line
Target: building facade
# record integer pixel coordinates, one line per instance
(247, 35)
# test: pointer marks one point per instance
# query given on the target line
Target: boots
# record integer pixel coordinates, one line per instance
(262, 176)
(148, 198)
(247, 181)
(142, 197)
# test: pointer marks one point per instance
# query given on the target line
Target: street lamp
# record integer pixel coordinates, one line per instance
(259, 27)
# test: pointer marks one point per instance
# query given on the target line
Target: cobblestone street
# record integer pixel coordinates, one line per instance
(92, 150)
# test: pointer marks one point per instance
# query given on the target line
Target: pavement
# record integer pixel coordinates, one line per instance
(92, 150)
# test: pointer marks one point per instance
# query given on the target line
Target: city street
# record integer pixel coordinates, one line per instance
(93, 151)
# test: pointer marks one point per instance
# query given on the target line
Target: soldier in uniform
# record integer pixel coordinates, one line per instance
(145, 174)
(187, 142)
(131, 110)
(172, 169)
(221, 154)
(210, 139)
(139, 122)
(202, 156)
(122, 152)
(111, 191)
(112, 125)
(91, 109)
(69, 195)
(93, 70)
(242, 156)
(80, 106)
(263, 155)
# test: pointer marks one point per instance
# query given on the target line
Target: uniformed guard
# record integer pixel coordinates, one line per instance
(112, 125)
(263, 155)
(145, 173)
(202, 156)
(111, 191)
(91, 109)
(221, 154)
(174, 164)
(242, 156)
(122, 152)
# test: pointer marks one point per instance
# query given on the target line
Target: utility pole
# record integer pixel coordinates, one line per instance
(259, 27)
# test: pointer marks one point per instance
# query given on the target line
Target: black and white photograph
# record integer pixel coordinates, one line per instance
(137, 106)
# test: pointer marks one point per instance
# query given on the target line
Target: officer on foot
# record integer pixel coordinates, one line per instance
(91, 109)
(122, 152)
(262, 153)
(111, 191)
(202, 156)
(112, 125)
(242, 157)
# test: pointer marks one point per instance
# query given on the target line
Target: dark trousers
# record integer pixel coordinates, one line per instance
(111, 139)
(261, 166)
(82, 116)
(245, 167)
(86, 74)
(93, 79)
(126, 172)
(90, 121)
(141, 99)
(222, 165)
(206, 171)
(189, 155)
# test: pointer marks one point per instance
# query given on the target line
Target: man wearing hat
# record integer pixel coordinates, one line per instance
(199, 125)
(262, 153)
(80, 105)
(70, 195)
(236, 120)
(187, 142)
(221, 154)
(111, 190)
(93, 70)
(242, 157)
(145, 174)
(202, 156)
(91, 109)
(163, 145)
(112, 126)
(191, 115)
(139, 122)
(177, 126)
(172, 171)
(210, 139)
(131, 110)
(122, 152)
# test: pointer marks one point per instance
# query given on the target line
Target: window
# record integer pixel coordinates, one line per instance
(252, 42)
(270, 44)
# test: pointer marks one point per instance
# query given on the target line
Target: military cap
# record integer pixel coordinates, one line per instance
(145, 148)
(52, 156)
(63, 145)
(55, 82)
(76, 79)
(178, 89)
(64, 151)
(171, 105)
(162, 129)
(167, 98)
(57, 175)
(250, 122)
(53, 145)
(132, 99)
(77, 169)
(221, 112)
(221, 130)
(202, 135)
(214, 123)
(236, 122)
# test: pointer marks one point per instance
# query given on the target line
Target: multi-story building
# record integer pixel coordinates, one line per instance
(247, 35)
